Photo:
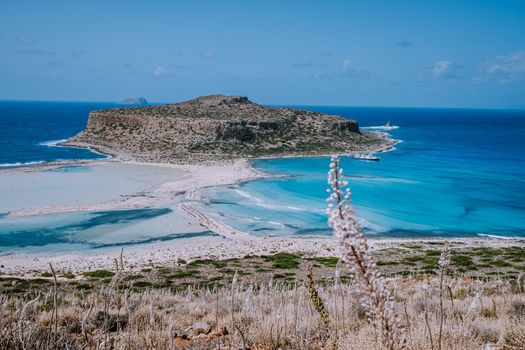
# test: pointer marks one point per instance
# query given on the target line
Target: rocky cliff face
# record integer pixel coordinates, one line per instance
(221, 127)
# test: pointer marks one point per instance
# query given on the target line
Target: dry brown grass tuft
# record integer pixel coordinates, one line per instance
(265, 316)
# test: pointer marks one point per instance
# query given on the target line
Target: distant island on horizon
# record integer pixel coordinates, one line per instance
(222, 127)
(138, 101)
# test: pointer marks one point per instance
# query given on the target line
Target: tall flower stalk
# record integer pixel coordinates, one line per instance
(444, 262)
(376, 297)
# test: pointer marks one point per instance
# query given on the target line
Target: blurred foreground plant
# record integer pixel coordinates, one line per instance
(376, 297)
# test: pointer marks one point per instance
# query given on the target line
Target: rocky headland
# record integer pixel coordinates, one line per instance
(222, 128)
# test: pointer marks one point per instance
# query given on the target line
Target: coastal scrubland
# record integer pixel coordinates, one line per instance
(266, 302)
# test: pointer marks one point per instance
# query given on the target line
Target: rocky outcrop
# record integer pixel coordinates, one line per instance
(221, 127)
(344, 125)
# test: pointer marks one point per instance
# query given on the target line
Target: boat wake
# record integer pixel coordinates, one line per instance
(380, 128)
(52, 143)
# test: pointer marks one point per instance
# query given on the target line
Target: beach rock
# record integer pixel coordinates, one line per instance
(221, 128)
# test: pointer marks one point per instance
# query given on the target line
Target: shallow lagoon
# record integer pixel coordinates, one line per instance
(76, 185)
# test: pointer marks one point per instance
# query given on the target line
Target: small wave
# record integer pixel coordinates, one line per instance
(263, 204)
(497, 236)
(20, 164)
(276, 224)
(56, 143)
(52, 143)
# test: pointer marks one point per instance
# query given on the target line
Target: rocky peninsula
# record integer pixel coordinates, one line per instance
(222, 128)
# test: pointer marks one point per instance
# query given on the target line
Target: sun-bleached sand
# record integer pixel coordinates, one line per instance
(79, 193)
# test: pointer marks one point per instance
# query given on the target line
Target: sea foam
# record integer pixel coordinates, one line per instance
(52, 143)
(20, 164)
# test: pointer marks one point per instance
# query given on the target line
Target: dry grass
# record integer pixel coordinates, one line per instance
(262, 316)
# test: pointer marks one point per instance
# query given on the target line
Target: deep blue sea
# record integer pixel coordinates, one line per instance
(28, 130)
(456, 172)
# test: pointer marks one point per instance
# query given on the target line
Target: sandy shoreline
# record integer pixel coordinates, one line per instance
(167, 253)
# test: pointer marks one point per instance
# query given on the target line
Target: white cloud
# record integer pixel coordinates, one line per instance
(405, 43)
(25, 40)
(35, 51)
(312, 63)
(346, 66)
(208, 54)
(346, 71)
(443, 69)
(504, 68)
(65, 63)
(159, 71)
(77, 53)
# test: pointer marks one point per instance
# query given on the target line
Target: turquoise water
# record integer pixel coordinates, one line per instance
(68, 228)
(88, 230)
(455, 173)
(30, 130)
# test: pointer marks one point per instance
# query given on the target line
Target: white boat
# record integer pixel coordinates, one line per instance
(363, 156)
(389, 126)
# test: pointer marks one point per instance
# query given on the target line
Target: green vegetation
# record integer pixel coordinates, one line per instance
(203, 262)
(462, 260)
(163, 270)
(99, 274)
(185, 273)
(478, 262)
(326, 261)
(284, 260)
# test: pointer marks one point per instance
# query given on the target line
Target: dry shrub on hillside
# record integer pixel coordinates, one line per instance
(260, 316)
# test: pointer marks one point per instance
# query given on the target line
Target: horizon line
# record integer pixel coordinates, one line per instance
(517, 108)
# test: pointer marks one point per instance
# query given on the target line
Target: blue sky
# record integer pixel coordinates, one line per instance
(364, 53)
